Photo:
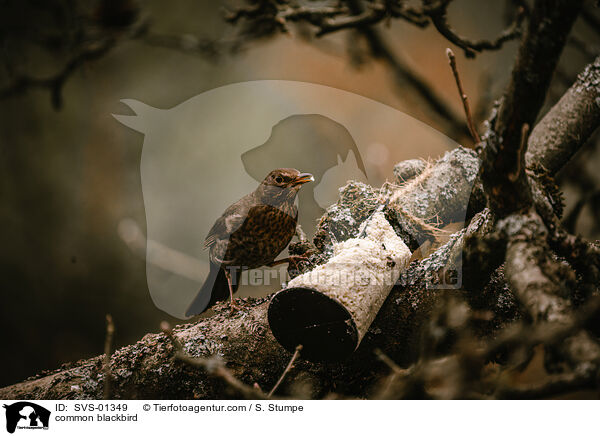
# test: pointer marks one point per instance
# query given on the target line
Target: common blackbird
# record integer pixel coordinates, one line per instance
(251, 233)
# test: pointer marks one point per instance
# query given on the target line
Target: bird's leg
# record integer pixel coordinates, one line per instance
(233, 306)
(292, 259)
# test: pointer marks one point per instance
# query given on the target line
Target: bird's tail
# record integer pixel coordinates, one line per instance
(215, 288)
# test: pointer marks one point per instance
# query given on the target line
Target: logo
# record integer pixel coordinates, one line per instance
(26, 415)
(204, 154)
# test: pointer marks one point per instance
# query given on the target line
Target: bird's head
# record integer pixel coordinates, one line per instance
(282, 184)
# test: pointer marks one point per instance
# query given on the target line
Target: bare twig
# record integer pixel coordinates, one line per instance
(460, 369)
(215, 366)
(363, 17)
(438, 15)
(97, 46)
(168, 331)
(547, 333)
(286, 371)
(388, 361)
(329, 19)
(405, 77)
(463, 97)
(108, 346)
(55, 83)
(366, 18)
(396, 373)
(251, 11)
(187, 43)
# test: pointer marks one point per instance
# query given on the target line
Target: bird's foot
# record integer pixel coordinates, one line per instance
(234, 307)
(296, 259)
(293, 260)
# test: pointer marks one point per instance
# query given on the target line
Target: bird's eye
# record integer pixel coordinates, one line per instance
(279, 179)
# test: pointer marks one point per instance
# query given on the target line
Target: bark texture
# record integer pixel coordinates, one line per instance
(247, 347)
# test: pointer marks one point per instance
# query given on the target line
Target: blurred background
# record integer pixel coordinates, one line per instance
(70, 172)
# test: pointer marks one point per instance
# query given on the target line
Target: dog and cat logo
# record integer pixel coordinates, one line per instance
(26, 415)
(212, 149)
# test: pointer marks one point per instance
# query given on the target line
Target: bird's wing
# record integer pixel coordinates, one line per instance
(231, 220)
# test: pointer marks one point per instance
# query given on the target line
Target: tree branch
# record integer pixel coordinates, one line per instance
(55, 83)
(549, 25)
(247, 348)
(438, 15)
(569, 124)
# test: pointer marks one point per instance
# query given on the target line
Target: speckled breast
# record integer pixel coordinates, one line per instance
(264, 234)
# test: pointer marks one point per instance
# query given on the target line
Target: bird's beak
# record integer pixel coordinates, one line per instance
(303, 178)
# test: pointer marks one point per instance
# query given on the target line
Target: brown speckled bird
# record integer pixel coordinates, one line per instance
(251, 233)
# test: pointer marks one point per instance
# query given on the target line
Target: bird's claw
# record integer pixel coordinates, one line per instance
(296, 259)
(234, 307)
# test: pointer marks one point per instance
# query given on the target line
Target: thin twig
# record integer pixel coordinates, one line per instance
(216, 367)
(257, 387)
(186, 43)
(366, 18)
(463, 97)
(408, 79)
(438, 15)
(286, 371)
(55, 83)
(547, 333)
(388, 361)
(108, 346)
(397, 372)
(168, 331)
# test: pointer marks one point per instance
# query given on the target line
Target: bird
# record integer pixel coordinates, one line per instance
(249, 234)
